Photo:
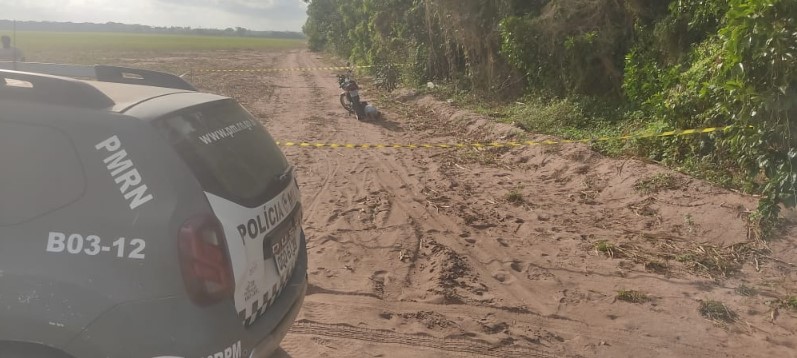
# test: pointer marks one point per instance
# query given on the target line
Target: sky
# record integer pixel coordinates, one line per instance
(273, 15)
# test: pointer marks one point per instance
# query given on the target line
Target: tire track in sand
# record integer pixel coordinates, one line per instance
(412, 340)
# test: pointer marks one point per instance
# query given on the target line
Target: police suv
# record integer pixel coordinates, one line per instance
(141, 218)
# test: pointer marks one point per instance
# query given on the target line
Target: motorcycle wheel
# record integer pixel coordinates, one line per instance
(346, 103)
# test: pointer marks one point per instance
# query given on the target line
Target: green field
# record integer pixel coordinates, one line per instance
(85, 46)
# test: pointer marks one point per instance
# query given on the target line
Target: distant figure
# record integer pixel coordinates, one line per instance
(8, 53)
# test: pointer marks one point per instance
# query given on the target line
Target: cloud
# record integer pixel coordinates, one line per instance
(230, 4)
(277, 15)
(269, 10)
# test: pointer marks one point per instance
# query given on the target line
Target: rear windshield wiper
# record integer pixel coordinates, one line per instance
(287, 174)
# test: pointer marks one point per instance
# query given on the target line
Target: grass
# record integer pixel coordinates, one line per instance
(481, 156)
(568, 118)
(83, 47)
(632, 296)
(716, 311)
(607, 248)
(515, 197)
(656, 267)
(662, 255)
(746, 291)
(657, 183)
(714, 261)
(689, 221)
(791, 302)
(39, 41)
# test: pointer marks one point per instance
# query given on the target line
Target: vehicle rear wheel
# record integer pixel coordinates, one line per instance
(344, 101)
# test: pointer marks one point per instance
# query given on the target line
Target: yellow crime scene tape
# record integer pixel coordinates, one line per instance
(294, 69)
(673, 133)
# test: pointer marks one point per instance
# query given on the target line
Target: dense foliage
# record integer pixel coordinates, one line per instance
(665, 64)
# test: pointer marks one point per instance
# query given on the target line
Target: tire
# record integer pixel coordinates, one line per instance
(346, 104)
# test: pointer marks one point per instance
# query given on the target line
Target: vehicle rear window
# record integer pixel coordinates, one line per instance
(41, 172)
(228, 150)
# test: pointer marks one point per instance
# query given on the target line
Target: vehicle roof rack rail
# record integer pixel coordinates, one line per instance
(103, 73)
(55, 90)
(141, 77)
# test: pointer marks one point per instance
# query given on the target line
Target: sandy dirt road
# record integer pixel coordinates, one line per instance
(503, 253)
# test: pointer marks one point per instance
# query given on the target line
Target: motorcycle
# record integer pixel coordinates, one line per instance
(350, 98)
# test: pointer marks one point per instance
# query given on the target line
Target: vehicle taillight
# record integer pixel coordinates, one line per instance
(204, 260)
